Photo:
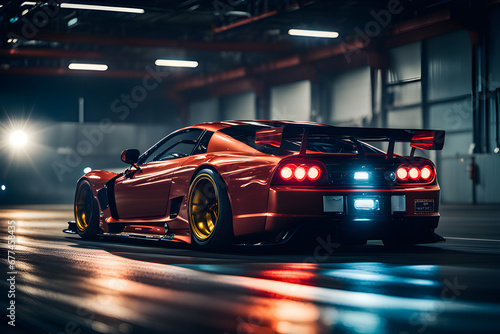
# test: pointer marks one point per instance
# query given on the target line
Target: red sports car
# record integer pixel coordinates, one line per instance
(265, 182)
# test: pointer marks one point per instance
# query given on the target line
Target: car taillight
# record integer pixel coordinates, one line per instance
(300, 172)
(402, 173)
(314, 173)
(286, 173)
(414, 173)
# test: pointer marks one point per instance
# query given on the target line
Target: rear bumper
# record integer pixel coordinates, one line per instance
(296, 208)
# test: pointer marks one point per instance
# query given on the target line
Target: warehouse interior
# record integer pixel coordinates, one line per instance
(397, 64)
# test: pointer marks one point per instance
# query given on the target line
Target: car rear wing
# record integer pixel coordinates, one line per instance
(418, 139)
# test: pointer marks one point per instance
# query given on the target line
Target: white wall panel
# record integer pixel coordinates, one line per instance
(405, 62)
(495, 49)
(450, 68)
(291, 101)
(451, 116)
(406, 94)
(204, 111)
(488, 189)
(407, 119)
(453, 176)
(239, 106)
(457, 143)
(351, 96)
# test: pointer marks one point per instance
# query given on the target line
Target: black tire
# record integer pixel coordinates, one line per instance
(86, 211)
(209, 212)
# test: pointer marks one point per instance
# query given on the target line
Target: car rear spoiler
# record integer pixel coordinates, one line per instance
(418, 139)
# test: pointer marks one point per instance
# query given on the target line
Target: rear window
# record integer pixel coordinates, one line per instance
(315, 143)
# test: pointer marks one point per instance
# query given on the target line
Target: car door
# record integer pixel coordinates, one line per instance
(144, 193)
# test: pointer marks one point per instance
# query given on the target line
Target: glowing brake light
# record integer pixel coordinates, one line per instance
(286, 173)
(402, 173)
(314, 173)
(426, 173)
(300, 173)
(414, 173)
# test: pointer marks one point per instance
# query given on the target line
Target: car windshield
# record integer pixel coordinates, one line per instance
(316, 143)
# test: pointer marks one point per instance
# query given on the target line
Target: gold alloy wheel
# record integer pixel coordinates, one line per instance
(83, 208)
(203, 207)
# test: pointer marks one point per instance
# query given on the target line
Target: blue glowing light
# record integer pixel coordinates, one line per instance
(361, 176)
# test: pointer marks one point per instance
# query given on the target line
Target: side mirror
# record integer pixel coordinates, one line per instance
(130, 156)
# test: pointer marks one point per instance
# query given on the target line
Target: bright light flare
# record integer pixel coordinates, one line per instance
(365, 204)
(3, 187)
(361, 176)
(286, 173)
(414, 173)
(313, 33)
(176, 63)
(18, 138)
(402, 173)
(87, 170)
(313, 173)
(426, 173)
(103, 8)
(87, 67)
(300, 173)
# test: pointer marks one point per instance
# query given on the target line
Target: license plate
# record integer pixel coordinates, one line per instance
(333, 204)
(424, 206)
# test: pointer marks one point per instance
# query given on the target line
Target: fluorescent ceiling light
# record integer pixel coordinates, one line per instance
(176, 63)
(73, 21)
(88, 67)
(313, 33)
(103, 8)
(28, 3)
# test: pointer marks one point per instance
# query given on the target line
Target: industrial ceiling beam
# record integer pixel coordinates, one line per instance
(50, 53)
(264, 68)
(158, 42)
(422, 28)
(60, 71)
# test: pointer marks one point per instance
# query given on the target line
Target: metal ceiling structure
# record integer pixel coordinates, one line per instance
(239, 44)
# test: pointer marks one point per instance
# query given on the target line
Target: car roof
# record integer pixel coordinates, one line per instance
(216, 126)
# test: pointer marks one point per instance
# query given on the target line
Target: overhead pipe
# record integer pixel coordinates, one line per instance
(252, 19)
(240, 23)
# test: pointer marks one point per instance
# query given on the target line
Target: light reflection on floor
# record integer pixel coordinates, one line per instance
(99, 287)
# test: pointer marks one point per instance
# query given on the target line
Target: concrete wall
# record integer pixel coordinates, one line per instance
(291, 101)
(350, 97)
(54, 159)
(239, 106)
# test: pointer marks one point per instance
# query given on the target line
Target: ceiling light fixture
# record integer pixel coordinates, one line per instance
(103, 8)
(176, 63)
(88, 67)
(73, 21)
(313, 33)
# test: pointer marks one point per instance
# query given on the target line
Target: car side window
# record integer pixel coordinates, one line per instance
(203, 143)
(175, 146)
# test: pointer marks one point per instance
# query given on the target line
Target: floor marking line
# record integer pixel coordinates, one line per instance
(472, 239)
